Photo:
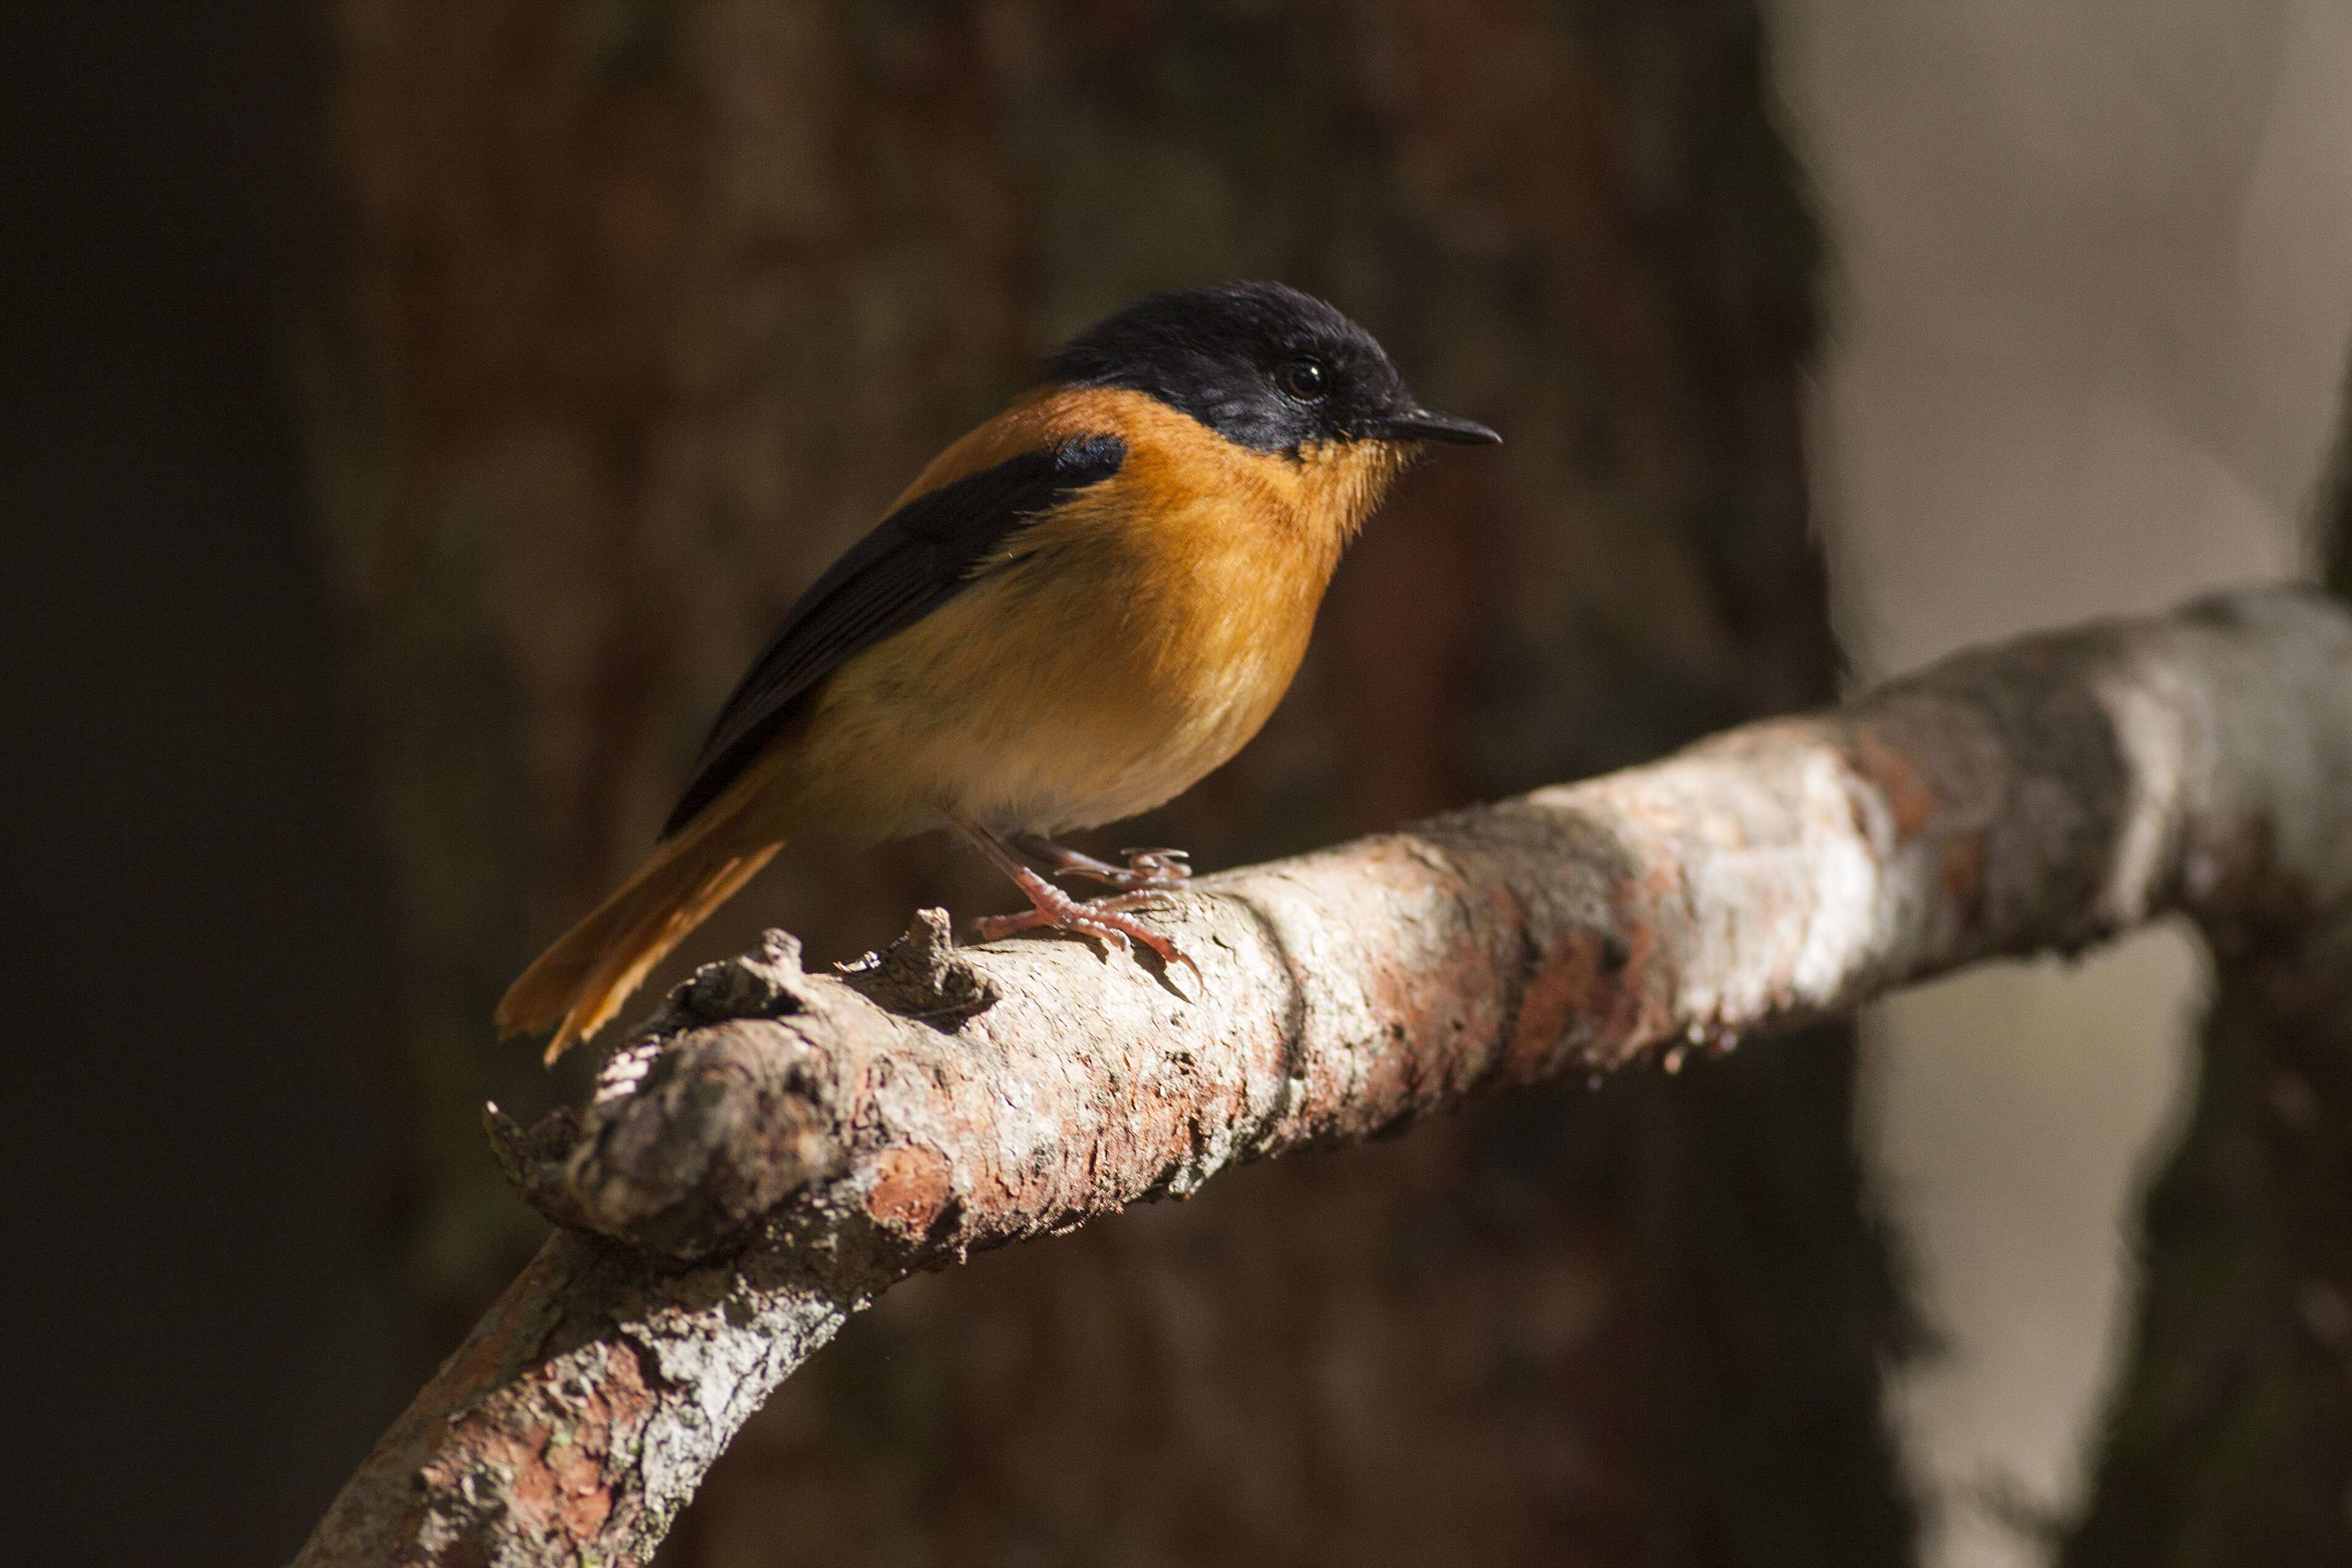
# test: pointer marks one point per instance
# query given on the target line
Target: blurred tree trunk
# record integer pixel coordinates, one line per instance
(650, 305)
(2228, 1439)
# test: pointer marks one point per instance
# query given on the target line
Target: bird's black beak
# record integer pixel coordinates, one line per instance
(1420, 425)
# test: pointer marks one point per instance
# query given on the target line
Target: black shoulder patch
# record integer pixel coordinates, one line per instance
(914, 561)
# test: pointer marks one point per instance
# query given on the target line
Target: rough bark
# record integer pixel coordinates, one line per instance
(777, 1148)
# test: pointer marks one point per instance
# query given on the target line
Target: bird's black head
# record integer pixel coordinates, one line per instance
(1262, 365)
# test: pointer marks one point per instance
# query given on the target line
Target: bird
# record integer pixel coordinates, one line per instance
(1073, 614)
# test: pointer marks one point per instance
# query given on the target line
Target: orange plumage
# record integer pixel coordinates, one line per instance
(1060, 665)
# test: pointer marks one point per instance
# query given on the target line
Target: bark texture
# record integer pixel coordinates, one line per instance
(777, 1148)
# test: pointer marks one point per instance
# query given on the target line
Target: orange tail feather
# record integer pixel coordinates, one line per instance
(580, 982)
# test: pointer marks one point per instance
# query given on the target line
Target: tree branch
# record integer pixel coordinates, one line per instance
(775, 1148)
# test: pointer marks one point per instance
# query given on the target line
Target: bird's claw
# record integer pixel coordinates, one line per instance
(1169, 863)
(1105, 919)
(1145, 869)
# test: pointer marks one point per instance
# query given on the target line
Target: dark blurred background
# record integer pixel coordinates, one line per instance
(420, 409)
(200, 1296)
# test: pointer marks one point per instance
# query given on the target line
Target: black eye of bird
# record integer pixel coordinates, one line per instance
(1304, 378)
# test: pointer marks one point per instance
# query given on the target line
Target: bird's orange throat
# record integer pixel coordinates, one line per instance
(1342, 484)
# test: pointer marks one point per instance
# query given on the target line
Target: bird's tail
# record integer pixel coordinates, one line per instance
(576, 986)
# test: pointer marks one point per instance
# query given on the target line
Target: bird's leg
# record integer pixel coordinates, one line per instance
(1145, 869)
(1051, 906)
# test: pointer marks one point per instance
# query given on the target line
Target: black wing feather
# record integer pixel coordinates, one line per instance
(914, 561)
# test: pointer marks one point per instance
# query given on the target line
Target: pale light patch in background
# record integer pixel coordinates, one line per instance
(2094, 278)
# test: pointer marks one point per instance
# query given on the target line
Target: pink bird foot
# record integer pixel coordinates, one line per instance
(1106, 919)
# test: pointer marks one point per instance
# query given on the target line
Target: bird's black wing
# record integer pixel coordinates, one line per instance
(914, 561)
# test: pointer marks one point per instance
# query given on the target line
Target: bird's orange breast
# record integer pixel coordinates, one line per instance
(1116, 648)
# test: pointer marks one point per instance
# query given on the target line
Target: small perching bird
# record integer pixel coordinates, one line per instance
(1070, 616)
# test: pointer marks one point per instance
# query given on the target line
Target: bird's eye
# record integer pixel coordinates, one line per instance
(1305, 379)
